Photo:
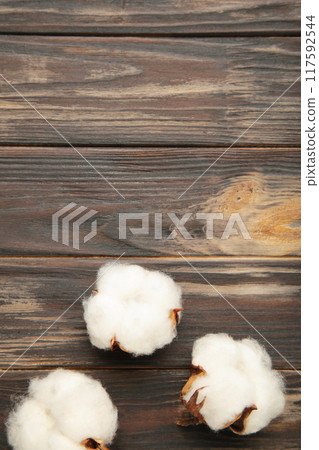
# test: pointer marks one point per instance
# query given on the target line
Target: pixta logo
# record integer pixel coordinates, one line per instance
(64, 219)
(234, 225)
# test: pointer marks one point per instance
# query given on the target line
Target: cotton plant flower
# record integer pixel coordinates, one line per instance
(133, 308)
(66, 410)
(232, 385)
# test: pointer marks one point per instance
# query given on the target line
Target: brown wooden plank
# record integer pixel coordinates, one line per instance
(165, 17)
(262, 185)
(150, 91)
(36, 291)
(148, 406)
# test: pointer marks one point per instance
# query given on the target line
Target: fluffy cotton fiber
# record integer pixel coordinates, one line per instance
(66, 410)
(232, 385)
(133, 308)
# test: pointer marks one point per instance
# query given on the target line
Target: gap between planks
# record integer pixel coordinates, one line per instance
(107, 368)
(150, 146)
(181, 35)
(159, 257)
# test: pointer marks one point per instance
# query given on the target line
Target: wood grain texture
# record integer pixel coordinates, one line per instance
(135, 17)
(36, 291)
(149, 406)
(262, 185)
(151, 109)
(150, 91)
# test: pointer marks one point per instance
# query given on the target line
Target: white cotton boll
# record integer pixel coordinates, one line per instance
(59, 441)
(269, 385)
(215, 350)
(103, 319)
(152, 329)
(110, 276)
(270, 399)
(251, 350)
(232, 384)
(69, 407)
(68, 394)
(29, 426)
(133, 308)
(226, 394)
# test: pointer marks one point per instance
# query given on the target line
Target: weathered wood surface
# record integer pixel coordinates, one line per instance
(149, 405)
(36, 291)
(150, 91)
(151, 111)
(151, 17)
(262, 185)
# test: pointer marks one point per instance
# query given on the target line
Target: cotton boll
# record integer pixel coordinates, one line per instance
(133, 308)
(269, 386)
(68, 392)
(152, 329)
(215, 350)
(29, 426)
(59, 441)
(63, 410)
(232, 385)
(103, 319)
(271, 402)
(226, 394)
(110, 276)
(252, 350)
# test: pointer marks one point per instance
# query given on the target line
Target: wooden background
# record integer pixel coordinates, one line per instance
(151, 93)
